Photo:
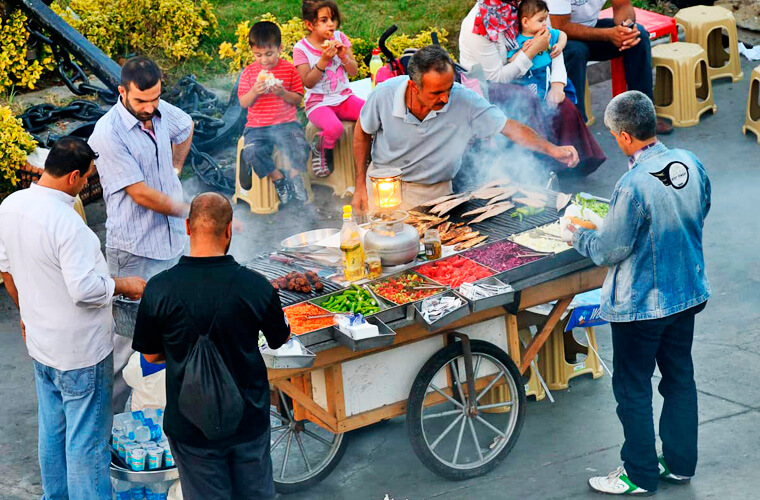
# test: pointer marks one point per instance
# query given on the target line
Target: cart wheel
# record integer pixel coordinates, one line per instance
(449, 439)
(303, 453)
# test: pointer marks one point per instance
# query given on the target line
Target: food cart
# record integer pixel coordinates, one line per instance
(458, 380)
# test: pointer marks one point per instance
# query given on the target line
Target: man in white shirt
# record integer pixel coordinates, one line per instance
(594, 39)
(56, 274)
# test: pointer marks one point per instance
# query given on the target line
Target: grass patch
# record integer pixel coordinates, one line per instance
(365, 19)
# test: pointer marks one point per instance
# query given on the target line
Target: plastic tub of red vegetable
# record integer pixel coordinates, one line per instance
(454, 271)
(503, 255)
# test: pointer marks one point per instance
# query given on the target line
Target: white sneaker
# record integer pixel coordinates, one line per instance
(668, 476)
(617, 483)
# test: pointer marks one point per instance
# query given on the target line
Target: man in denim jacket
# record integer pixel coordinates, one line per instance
(651, 240)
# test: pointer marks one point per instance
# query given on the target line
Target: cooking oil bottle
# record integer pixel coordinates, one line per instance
(351, 247)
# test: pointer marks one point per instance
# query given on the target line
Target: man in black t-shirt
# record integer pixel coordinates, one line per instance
(177, 306)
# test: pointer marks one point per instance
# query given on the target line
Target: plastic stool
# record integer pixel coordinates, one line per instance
(704, 26)
(590, 120)
(752, 120)
(533, 386)
(262, 197)
(558, 358)
(682, 89)
(657, 25)
(343, 178)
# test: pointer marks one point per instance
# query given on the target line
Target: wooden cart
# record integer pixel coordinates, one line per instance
(460, 387)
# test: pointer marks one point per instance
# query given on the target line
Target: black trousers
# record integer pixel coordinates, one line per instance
(637, 62)
(637, 346)
(239, 472)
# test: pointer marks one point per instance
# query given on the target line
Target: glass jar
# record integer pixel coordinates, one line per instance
(432, 241)
(374, 264)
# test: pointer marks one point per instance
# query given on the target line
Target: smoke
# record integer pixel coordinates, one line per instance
(497, 157)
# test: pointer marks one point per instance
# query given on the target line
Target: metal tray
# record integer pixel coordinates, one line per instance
(124, 316)
(552, 263)
(385, 338)
(455, 315)
(501, 299)
(288, 362)
(306, 241)
(402, 273)
(144, 477)
(324, 298)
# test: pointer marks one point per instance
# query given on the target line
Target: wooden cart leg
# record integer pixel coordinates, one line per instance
(321, 416)
(303, 382)
(538, 341)
(513, 339)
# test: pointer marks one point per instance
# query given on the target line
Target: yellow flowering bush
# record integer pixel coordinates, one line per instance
(15, 69)
(173, 29)
(15, 144)
(293, 30)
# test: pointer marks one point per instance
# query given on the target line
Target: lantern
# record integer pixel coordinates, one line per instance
(386, 189)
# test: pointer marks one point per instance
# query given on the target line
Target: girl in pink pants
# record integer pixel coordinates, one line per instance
(325, 61)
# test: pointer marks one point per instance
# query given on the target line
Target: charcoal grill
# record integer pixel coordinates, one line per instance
(273, 270)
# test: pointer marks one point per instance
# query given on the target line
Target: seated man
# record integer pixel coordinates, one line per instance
(594, 39)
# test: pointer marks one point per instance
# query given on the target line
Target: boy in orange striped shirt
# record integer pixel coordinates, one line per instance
(271, 89)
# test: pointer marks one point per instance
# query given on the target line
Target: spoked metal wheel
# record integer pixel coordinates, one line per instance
(303, 453)
(457, 434)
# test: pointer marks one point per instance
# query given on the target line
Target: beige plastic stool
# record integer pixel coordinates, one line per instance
(533, 386)
(558, 358)
(704, 26)
(262, 197)
(752, 120)
(343, 178)
(682, 89)
(590, 120)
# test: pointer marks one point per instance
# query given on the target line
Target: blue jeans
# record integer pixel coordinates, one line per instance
(75, 419)
(637, 346)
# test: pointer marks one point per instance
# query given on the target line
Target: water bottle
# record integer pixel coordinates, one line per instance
(138, 493)
(157, 491)
(120, 420)
(375, 64)
(146, 433)
(155, 414)
(121, 489)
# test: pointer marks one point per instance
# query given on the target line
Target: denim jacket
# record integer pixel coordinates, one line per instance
(652, 238)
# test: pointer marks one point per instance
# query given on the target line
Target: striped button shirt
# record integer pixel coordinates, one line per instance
(129, 154)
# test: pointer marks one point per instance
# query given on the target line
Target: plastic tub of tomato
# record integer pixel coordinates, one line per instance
(301, 322)
(406, 287)
(454, 271)
(503, 255)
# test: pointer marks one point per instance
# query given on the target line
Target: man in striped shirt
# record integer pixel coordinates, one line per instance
(271, 89)
(142, 143)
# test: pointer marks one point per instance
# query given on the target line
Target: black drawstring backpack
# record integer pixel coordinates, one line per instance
(209, 397)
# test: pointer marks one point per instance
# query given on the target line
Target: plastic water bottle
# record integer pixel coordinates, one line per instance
(155, 414)
(375, 64)
(121, 489)
(146, 433)
(157, 491)
(120, 420)
(138, 493)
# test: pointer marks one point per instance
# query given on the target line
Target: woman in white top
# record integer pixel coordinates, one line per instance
(487, 34)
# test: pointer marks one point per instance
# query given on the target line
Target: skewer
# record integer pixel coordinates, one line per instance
(320, 316)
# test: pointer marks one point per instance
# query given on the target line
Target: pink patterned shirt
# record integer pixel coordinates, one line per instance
(332, 89)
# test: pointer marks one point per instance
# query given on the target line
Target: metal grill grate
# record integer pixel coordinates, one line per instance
(272, 270)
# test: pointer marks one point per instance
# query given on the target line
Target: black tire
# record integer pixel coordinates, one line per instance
(287, 488)
(417, 396)
(284, 413)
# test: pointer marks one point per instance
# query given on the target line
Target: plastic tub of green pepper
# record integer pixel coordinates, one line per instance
(353, 299)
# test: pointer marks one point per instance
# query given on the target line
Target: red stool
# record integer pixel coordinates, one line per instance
(656, 24)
